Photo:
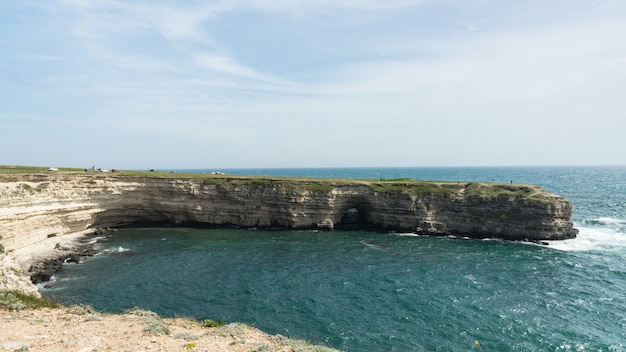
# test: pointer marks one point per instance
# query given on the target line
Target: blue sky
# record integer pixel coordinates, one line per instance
(328, 83)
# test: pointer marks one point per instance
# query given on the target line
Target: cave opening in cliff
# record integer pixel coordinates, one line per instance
(355, 217)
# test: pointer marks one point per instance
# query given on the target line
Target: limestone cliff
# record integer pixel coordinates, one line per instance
(36, 207)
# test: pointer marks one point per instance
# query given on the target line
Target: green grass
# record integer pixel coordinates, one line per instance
(415, 187)
(15, 300)
(18, 169)
(301, 185)
(488, 191)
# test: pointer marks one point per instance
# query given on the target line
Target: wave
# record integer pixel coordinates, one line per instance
(374, 246)
(593, 239)
(55, 283)
(604, 221)
(47, 284)
(601, 234)
(406, 234)
(116, 250)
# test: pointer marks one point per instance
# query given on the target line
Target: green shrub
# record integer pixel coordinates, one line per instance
(187, 336)
(208, 323)
(81, 309)
(16, 300)
(142, 312)
(154, 324)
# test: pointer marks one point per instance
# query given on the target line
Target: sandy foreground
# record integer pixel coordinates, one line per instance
(80, 329)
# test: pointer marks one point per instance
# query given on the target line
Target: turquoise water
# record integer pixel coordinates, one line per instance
(363, 291)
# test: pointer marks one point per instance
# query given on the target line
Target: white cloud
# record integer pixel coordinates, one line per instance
(192, 74)
(225, 65)
(100, 18)
(329, 5)
(552, 63)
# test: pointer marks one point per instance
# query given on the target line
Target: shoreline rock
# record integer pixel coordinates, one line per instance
(43, 271)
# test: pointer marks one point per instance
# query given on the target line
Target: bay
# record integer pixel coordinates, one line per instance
(364, 291)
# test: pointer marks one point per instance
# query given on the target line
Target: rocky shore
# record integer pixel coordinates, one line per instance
(42, 270)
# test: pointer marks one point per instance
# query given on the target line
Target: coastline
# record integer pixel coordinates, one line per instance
(43, 266)
(52, 217)
(47, 249)
(20, 265)
(83, 329)
(48, 218)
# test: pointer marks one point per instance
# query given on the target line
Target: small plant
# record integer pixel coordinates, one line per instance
(305, 346)
(16, 300)
(191, 345)
(93, 317)
(154, 324)
(187, 336)
(142, 312)
(208, 323)
(81, 309)
(263, 348)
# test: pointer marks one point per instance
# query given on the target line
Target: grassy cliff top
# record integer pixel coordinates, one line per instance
(482, 190)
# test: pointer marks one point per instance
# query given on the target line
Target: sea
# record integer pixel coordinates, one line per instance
(368, 291)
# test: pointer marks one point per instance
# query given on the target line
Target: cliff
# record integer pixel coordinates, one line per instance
(36, 207)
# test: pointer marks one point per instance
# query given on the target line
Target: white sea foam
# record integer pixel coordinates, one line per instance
(612, 221)
(42, 285)
(593, 239)
(119, 249)
(406, 234)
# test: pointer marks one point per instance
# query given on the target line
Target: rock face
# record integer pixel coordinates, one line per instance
(34, 208)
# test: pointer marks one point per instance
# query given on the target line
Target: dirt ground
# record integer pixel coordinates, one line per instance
(80, 329)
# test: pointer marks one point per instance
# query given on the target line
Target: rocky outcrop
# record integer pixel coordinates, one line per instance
(42, 271)
(13, 277)
(35, 208)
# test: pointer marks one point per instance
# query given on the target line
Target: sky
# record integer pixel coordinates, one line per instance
(135, 84)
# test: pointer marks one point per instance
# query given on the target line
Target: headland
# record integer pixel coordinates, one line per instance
(42, 212)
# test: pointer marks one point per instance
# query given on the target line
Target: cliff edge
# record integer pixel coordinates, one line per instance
(37, 207)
